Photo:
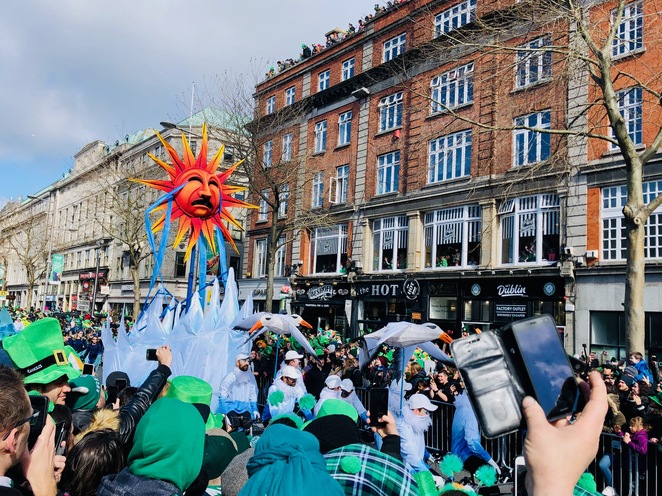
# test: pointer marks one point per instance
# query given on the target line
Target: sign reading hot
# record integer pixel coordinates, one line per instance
(411, 289)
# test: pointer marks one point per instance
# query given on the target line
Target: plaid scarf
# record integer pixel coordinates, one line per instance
(379, 474)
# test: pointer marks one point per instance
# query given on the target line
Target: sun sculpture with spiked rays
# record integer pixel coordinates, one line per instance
(201, 197)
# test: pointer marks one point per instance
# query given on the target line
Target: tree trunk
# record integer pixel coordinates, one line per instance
(268, 305)
(136, 292)
(635, 217)
(28, 303)
(634, 290)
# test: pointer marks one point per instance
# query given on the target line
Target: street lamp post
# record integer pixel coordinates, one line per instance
(100, 245)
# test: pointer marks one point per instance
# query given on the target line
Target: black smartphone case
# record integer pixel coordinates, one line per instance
(493, 385)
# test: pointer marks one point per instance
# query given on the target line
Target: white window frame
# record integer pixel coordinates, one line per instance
(390, 238)
(629, 37)
(279, 261)
(324, 80)
(452, 226)
(613, 232)
(388, 172)
(317, 199)
(390, 112)
(260, 265)
(533, 64)
(339, 185)
(534, 216)
(320, 137)
(630, 105)
(267, 153)
(348, 69)
(283, 201)
(324, 242)
(290, 95)
(271, 104)
(394, 47)
(286, 154)
(449, 157)
(452, 89)
(344, 128)
(531, 147)
(263, 211)
(455, 17)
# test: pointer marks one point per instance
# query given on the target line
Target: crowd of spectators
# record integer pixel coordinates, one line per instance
(332, 38)
(161, 436)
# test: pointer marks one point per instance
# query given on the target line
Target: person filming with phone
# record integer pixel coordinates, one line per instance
(15, 415)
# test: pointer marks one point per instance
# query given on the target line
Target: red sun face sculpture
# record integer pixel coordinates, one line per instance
(202, 202)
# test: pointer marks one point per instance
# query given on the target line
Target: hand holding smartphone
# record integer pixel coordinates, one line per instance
(500, 368)
(378, 405)
(38, 420)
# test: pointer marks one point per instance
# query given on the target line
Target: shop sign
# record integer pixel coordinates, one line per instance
(510, 290)
(127, 288)
(411, 289)
(392, 289)
(510, 311)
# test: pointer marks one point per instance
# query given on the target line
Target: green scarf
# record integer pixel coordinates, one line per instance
(288, 462)
(169, 443)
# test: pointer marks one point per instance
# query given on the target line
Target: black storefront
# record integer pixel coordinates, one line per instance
(453, 303)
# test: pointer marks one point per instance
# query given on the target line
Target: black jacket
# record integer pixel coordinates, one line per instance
(133, 411)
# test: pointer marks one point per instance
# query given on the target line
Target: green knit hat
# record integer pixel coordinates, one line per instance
(333, 406)
(38, 352)
(85, 391)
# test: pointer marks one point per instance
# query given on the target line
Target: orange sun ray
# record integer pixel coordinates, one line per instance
(202, 201)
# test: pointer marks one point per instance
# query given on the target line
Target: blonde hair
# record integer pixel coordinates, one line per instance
(636, 422)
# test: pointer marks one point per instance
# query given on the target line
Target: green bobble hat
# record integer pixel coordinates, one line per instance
(84, 395)
(38, 352)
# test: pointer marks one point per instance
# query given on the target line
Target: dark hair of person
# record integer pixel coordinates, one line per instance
(126, 394)
(96, 455)
(285, 421)
(14, 405)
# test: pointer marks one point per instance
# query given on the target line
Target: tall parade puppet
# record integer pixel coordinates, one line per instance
(199, 198)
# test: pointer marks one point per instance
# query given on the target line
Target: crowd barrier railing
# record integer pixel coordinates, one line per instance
(633, 475)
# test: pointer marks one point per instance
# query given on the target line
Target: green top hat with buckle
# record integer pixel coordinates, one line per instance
(38, 352)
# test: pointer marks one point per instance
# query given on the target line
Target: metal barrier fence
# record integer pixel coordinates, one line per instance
(633, 475)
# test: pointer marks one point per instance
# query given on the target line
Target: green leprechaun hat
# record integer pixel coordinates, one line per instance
(193, 390)
(38, 352)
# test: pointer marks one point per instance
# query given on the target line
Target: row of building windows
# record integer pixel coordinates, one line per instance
(455, 87)
(529, 233)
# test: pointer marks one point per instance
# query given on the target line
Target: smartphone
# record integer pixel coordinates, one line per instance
(88, 369)
(38, 421)
(150, 354)
(534, 346)
(492, 387)
(378, 404)
(60, 437)
(120, 384)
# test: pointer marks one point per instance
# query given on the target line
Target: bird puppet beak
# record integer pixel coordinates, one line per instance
(305, 324)
(445, 337)
(255, 327)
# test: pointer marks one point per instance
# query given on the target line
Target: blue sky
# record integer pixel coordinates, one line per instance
(75, 71)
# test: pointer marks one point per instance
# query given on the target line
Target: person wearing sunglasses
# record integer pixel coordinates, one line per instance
(15, 415)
